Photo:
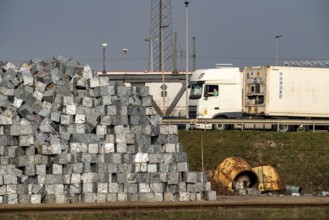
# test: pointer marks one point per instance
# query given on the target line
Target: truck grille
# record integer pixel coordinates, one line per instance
(192, 111)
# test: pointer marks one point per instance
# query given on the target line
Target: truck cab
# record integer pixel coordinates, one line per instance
(215, 93)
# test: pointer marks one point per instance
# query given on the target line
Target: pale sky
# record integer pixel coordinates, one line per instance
(240, 32)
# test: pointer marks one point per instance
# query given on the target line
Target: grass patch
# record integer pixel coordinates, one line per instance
(237, 213)
(302, 158)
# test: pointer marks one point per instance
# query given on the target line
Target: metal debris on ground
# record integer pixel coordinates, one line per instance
(293, 189)
(323, 193)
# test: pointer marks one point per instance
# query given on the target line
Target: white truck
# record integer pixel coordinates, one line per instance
(226, 103)
(260, 92)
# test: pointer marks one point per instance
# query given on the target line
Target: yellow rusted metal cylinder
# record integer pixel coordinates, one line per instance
(269, 179)
(235, 173)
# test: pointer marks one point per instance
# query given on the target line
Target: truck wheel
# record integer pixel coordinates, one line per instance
(221, 127)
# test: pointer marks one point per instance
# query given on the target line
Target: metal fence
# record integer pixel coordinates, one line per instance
(256, 122)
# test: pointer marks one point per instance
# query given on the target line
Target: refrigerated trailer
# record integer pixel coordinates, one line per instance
(291, 92)
(262, 92)
(286, 93)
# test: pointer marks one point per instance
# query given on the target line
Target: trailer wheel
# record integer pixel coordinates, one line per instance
(284, 128)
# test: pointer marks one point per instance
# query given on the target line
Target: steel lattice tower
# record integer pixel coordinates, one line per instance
(160, 18)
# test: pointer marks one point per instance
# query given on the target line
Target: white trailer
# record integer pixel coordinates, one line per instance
(286, 92)
(225, 103)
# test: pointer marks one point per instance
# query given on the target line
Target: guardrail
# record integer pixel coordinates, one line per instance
(242, 122)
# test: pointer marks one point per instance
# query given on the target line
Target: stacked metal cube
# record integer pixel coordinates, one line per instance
(69, 136)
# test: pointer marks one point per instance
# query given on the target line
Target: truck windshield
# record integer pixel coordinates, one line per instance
(196, 90)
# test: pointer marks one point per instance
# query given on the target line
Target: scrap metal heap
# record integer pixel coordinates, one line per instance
(235, 175)
(69, 136)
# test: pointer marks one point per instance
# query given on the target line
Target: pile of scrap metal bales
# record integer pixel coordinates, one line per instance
(69, 136)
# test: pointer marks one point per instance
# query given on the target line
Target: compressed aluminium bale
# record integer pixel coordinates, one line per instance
(68, 135)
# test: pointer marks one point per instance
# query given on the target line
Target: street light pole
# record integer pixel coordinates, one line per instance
(104, 45)
(162, 68)
(125, 52)
(186, 59)
(277, 48)
(151, 39)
